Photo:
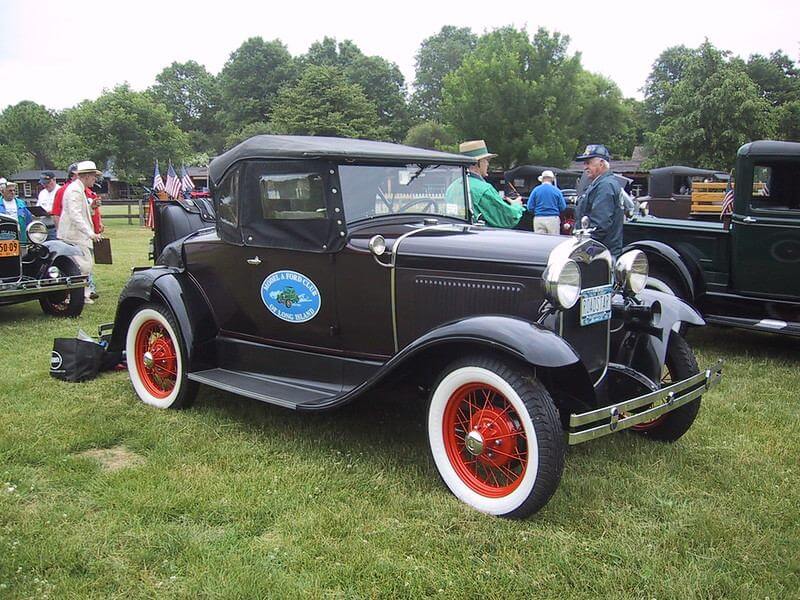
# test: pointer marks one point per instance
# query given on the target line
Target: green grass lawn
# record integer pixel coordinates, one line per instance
(104, 497)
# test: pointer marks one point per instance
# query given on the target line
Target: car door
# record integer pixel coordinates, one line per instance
(766, 230)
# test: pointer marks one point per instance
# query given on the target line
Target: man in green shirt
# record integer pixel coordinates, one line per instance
(487, 203)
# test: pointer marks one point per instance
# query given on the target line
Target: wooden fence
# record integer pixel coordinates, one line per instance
(135, 208)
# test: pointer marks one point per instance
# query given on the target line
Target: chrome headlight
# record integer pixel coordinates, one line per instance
(37, 232)
(562, 283)
(631, 270)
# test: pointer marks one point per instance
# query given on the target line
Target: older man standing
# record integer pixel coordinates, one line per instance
(48, 192)
(75, 225)
(15, 207)
(600, 201)
(546, 202)
(486, 201)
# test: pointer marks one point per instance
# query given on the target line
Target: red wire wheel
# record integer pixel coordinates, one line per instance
(485, 440)
(156, 358)
(666, 380)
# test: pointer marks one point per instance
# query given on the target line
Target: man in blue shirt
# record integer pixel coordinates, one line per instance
(546, 202)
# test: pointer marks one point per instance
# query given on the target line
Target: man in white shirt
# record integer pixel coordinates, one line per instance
(75, 225)
(48, 193)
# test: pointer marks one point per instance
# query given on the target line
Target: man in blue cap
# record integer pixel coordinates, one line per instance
(600, 201)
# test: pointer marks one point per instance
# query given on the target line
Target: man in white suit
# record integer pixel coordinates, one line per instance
(75, 225)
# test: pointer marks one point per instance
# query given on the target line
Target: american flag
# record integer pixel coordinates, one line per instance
(727, 203)
(188, 184)
(173, 184)
(158, 183)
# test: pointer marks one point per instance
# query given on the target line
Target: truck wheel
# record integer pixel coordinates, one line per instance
(680, 364)
(495, 436)
(157, 359)
(68, 303)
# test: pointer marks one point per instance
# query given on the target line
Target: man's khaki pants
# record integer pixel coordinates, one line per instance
(551, 225)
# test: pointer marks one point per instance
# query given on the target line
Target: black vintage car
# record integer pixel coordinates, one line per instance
(40, 270)
(526, 342)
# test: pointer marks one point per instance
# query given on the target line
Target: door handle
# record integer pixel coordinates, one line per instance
(749, 220)
(254, 261)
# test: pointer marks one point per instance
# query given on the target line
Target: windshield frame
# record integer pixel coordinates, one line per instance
(417, 170)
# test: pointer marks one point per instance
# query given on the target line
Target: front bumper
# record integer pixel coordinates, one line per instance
(615, 417)
(32, 286)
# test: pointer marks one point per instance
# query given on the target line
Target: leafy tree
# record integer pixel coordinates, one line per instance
(380, 81)
(125, 127)
(437, 56)
(668, 70)
(28, 129)
(251, 78)
(605, 116)
(788, 121)
(9, 160)
(777, 76)
(247, 132)
(713, 109)
(323, 102)
(192, 95)
(517, 94)
(433, 136)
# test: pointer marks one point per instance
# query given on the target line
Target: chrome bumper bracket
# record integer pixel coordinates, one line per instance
(663, 401)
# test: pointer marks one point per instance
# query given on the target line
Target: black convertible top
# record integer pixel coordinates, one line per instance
(770, 148)
(311, 147)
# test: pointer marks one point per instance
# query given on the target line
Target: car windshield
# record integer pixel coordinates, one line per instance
(370, 191)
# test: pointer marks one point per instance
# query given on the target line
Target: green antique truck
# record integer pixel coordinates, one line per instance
(744, 272)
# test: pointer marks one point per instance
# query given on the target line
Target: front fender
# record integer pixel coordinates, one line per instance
(177, 291)
(61, 248)
(530, 342)
(674, 312)
(689, 273)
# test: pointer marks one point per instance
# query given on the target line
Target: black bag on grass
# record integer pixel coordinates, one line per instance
(73, 359)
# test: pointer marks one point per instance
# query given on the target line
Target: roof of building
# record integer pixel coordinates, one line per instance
(34, 175)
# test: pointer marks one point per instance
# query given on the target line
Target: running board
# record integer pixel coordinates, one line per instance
(766, 325)
(282, 392)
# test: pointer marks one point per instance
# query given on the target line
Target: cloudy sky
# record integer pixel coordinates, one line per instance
(58, 58)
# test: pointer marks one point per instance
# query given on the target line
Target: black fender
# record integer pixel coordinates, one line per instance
(555, 361)
(176, 290)
(684, 268)
(673, 312)
(61, 248)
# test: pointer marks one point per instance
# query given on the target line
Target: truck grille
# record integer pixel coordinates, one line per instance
(590, 341)
(10, 266)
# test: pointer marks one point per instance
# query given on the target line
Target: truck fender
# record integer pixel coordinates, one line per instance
(175, 289)
(674, 311)
(61, 248)
(684, 269)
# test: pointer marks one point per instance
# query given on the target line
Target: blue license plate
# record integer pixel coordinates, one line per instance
(596, 304)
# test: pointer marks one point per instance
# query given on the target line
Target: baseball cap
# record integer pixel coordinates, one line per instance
(595, 151)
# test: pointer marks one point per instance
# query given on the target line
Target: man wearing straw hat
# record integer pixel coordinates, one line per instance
(486, 201)
(75, 225)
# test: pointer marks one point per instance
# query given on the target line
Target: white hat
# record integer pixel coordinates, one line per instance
(87, 166)
(547, 173)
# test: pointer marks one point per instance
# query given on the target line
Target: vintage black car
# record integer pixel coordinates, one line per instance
(526, 342)
(40, 269)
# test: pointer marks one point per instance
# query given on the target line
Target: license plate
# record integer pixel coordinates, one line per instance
(9, 248)
(595, 304)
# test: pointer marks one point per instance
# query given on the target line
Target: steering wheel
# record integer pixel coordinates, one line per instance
(428, 205)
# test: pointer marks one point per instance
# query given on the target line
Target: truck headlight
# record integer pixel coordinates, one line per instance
(37, 232)
(562, 283)
(631, 270)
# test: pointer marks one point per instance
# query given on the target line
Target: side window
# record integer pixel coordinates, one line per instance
(227, 193)
(776, 187)
(292, 196)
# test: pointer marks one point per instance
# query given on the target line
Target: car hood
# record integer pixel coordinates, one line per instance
(476, 243)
